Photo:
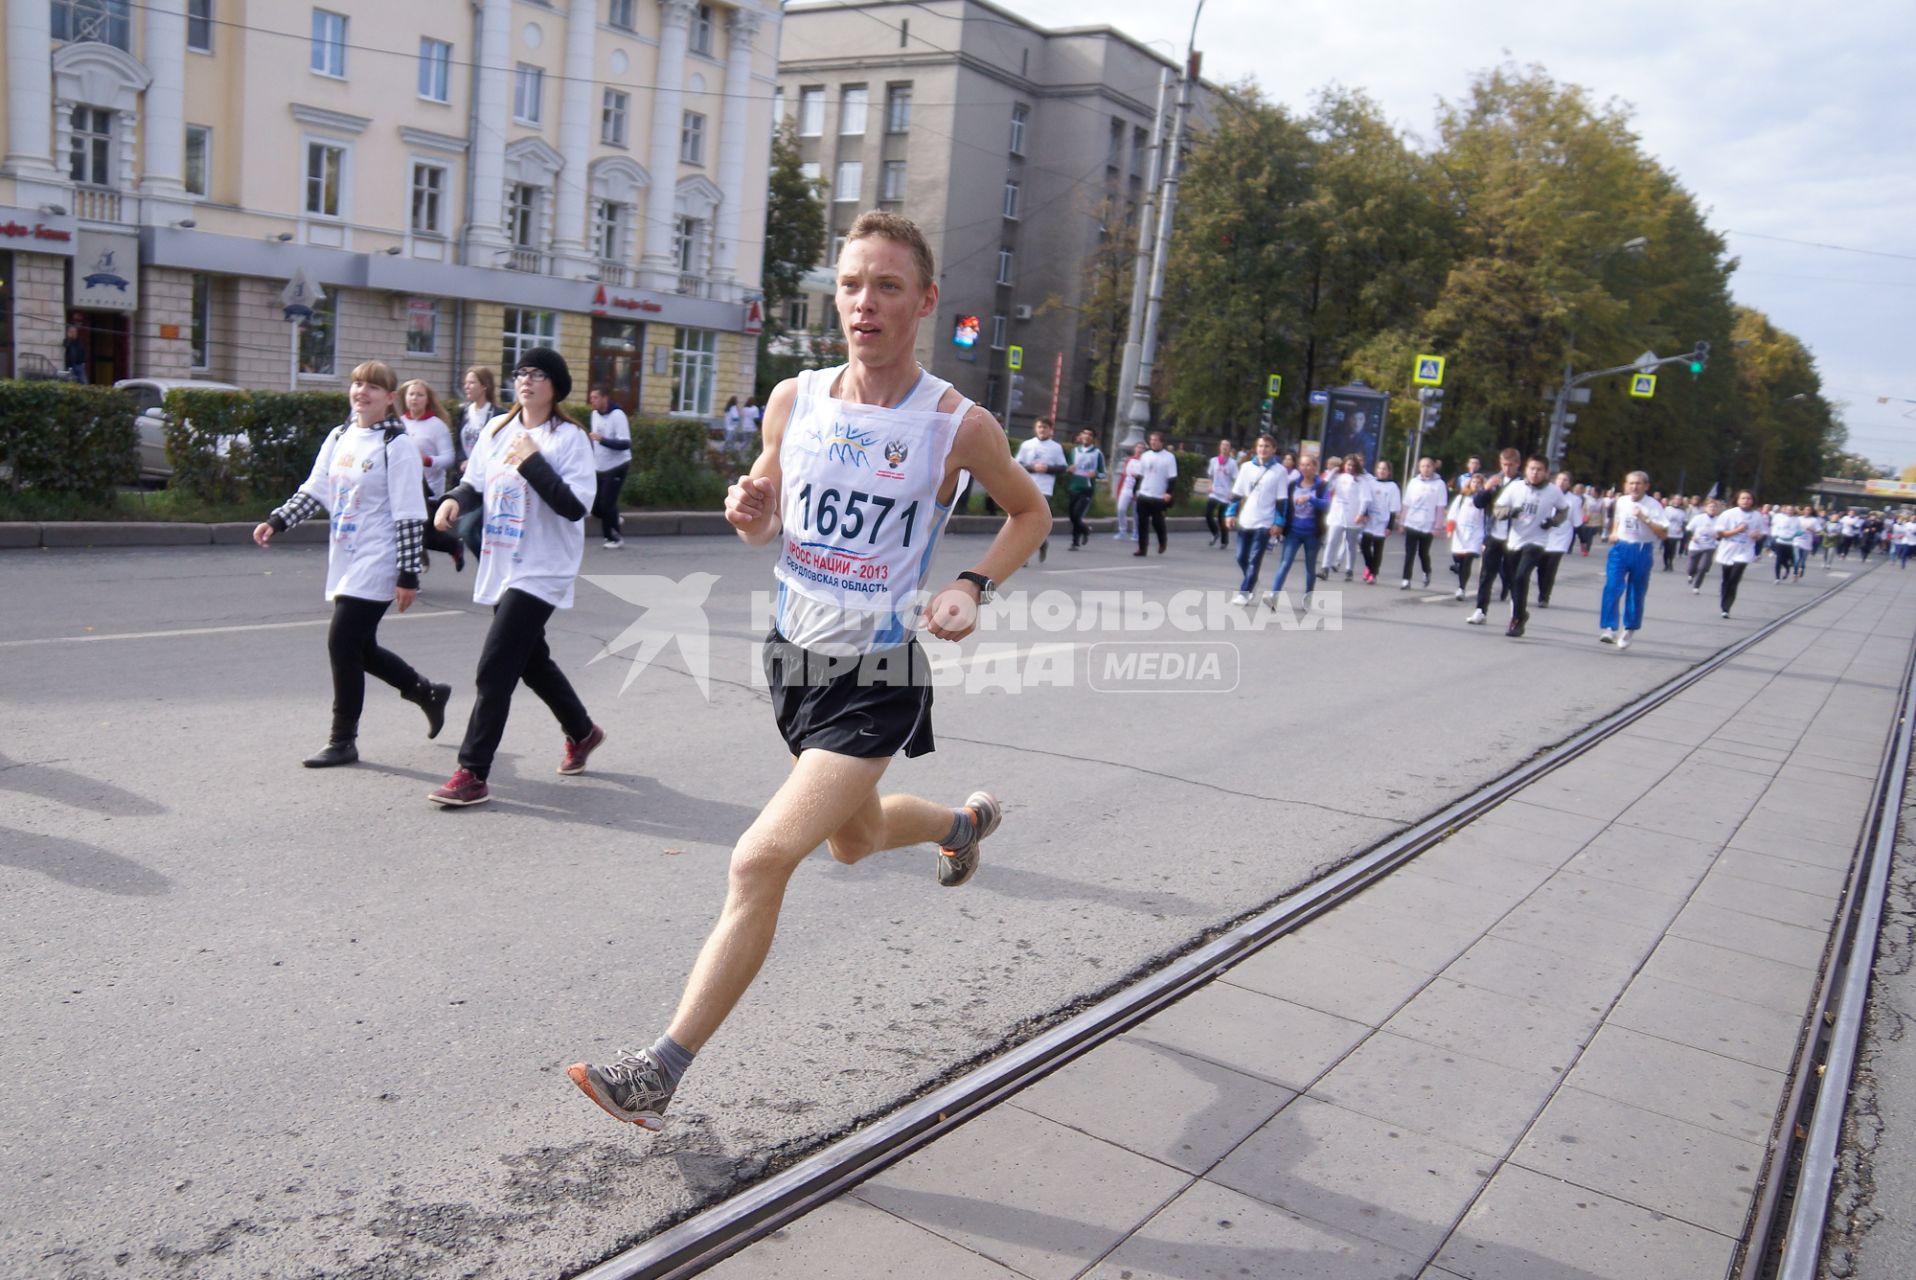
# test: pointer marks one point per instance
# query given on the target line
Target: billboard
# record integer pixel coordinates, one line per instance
(1354, 423)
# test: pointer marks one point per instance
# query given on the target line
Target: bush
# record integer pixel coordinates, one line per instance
(283, 431)
(668, 465)
(62, 437)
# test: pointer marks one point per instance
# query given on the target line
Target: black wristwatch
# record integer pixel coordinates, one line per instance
(985, 585)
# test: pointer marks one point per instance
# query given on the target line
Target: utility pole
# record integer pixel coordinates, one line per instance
(1696, 359)
(1138, 420)
(1141, 266)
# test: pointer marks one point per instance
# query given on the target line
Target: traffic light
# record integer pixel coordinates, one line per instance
(1017, 392)
(1433, 398)
(1699, 359)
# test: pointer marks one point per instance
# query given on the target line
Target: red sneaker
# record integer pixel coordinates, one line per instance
(577, 751)
(463, 788)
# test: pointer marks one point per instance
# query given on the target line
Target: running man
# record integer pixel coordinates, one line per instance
(830, 439)
(1626, 574)
(1530, 508)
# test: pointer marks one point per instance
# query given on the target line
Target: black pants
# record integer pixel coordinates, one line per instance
(1461, 566)
(1498, 563)
(1732, 575)
(605, 503)
(1151, 517)
(1785, 560)
(1372, 545)
(516, 650)
(1669, 553)
(1526, 560)
(1547, 575)
(352, 645)
(1417, 546)
(1080, 505)
(1214, 509)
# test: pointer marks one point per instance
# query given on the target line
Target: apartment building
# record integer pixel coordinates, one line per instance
(1017, 149)
(462, 179)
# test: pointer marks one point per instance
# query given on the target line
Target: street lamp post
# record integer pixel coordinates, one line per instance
(1141, 267)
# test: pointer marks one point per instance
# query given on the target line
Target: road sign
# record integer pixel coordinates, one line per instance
(1015, 358)
(1320, 397)
(1428, 371)
(301, 294)
(1646, 362)
(1273, 385)
(1643, 385)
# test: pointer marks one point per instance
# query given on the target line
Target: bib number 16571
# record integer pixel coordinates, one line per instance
(846, 516)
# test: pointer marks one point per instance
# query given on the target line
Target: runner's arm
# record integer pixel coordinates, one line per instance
(751, 505)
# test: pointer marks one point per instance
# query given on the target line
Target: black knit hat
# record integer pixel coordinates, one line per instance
(552, 364)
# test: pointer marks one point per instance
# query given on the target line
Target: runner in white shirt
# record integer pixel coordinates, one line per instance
(1703, 545)
(1465, 525)
(1530, 507)
(1784, 526)
(1260, 485)
(878, 444)
(1636, 528)
(1674, 520)
(1124, 493)
(426, 424)
(534, 468)
(1044, 458)
(1558, 542)
(1222, 473)
(368, 477)
(1151, 478)
(1424, 499)
(1350, 491)
(611, 437)
(1735, 546)
(1380, 517)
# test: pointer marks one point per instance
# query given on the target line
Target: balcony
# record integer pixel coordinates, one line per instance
(691, 286)
(530, 260)
(615, 273)
(96, 204)
(102, 21)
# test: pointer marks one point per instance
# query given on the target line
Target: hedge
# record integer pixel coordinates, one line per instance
(64, 437)
(283, 431)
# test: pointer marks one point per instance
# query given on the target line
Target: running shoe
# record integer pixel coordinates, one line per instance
(1606, 636)
(1476, 618)
(1460, 593)
(1242, 597)
(1270, 601)
(1726, 614)
(1404, 585)
(613, 544)
(632, 1089)
(577, 751)
(1369, 577)
(1623, 639)
(1696, 591)
(1426, 582)
(463, 788)
(1514, 630)
(955, 866)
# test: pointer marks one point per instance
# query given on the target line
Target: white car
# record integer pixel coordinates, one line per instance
(149, 403)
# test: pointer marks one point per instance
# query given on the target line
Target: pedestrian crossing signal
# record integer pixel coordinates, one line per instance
(1428, 371)
(1643, 386)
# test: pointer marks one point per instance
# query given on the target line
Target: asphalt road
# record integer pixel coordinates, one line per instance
(270, 1021)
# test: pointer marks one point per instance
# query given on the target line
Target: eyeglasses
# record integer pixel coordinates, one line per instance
(530, 374)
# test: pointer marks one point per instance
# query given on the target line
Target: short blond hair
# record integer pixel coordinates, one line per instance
(899, 229)
(378, 373)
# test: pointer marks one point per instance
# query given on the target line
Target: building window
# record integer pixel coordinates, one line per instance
(811, 111)
(612, 118)
(778, 106)
(422, 326)
(528, 87)
(199, 25)
(1020, 116)
(798, 314)
(435, 70)
(838, 251)
(850, 180)
(619, 14)
(199, 159)
(608, 229)
(202, 320)
(329, 43)
(1140, 141)
(522, 208)
(701, 38)
(991, 389)
(92, 156)
(897, 108)
(811, 171)
(688, 235)
(891, 182)
(694, 371)
(692, 139)
(325, 167)
(1004, 266)
(998, 332)
(428, 199)
(851, 109)
(1011, 199)
(1114, 151)
(100, 21)
(316, 337)
(524, 330)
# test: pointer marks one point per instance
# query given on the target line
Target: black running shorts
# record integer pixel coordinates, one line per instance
(872, 706)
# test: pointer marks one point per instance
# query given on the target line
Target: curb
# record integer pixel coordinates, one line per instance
(67, 534)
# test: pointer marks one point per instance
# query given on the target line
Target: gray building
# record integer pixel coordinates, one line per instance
(1018, 150)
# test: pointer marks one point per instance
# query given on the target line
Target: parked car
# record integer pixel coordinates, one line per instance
(149, 399)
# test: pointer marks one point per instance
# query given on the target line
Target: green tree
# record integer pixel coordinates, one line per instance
(1788, 436)
(794, 226)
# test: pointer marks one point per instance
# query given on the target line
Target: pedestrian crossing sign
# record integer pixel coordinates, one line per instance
(1015, 358)
(1643, 385)
(1273, 385)
(1428, 371)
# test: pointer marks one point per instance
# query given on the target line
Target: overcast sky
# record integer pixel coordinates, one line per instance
(1784, 120)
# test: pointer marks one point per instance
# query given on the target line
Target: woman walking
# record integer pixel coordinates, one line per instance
(1423, 512)
(1639, 527)
(426, 424)
(368, 477)
(534, 467)
(1087, 468)
(481, 407)
(1350, 499)
(1124, 493)
(1465, 524)
(1299, 517)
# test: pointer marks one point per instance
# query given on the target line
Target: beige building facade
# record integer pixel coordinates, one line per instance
(1019, 150)
(460, 180)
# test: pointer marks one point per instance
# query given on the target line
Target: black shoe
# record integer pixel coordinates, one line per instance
(431, 699)
(334, 753)
(1515, 629)
(1137, 553)
(458, 559)
(1044, 549)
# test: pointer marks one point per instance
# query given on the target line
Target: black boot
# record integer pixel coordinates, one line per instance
(338, 751)
(431, 699)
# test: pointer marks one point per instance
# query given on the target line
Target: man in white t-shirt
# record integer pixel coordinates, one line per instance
(1044, 458)
(1675, 517)
(1152, 476)
(1222, 471)
(611, 437)
(1530, 508)
(1558, 542)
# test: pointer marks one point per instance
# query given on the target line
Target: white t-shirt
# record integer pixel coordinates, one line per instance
(1560, 538)
(1223, 476)
(1740, 547)
(1424, 504)
(1702, 532)
(526, 545)
(1386, 500)
(1260, 489)
(433, 438)
(1527, 508)
(1051, 454)
(1759, 523)
(1467, 537)
(1155, 470)
(1674, 518)
(1784, 528)
(1350, 498)
(612, 425)
(1630, 516)
(365, 482)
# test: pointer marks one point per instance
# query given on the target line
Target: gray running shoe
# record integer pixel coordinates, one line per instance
(955, 866)
(631, 1089)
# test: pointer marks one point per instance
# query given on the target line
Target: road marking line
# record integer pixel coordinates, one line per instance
(201, 631)
(1116, 568)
